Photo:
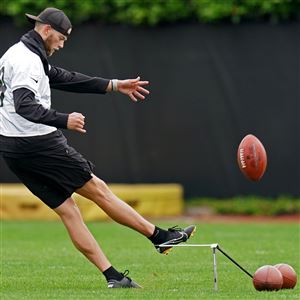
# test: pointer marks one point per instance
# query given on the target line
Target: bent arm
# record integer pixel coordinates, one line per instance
(27, 107)
(76, 82)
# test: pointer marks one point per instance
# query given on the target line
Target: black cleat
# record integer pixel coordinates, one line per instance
(125, 282)
(176, 236)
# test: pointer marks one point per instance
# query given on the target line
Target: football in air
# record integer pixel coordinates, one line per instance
(252, 157)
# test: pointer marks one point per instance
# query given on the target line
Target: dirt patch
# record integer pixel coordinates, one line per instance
(209, 218)
(249, 219)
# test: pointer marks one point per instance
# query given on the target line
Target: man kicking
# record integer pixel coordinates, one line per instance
(38, 153)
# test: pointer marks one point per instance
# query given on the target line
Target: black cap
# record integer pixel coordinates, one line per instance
(54, 17)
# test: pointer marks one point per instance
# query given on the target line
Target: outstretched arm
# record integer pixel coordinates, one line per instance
(79, 83)
(75, 82)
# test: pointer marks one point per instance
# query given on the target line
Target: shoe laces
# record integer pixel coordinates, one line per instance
(175, 228)
(125, 273)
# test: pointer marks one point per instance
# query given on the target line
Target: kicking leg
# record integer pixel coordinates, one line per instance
(97, 191)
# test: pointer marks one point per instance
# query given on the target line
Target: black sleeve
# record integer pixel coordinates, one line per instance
(27, 107)
(76, 82)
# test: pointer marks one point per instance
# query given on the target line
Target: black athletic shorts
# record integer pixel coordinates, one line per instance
(52, 175)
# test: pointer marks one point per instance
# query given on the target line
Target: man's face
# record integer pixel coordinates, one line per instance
(54, 41)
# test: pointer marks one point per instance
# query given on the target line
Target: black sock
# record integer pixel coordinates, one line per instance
(112, 273)
(159, 236)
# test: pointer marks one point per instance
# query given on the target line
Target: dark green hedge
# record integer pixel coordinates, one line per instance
(153, 12)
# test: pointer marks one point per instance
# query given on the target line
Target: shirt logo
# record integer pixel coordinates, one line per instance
(36, 81)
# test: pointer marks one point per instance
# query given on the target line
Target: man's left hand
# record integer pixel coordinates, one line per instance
(133, 88)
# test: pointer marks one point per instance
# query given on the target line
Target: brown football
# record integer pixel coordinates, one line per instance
(252, 157)
(288, 274)
(267, 278)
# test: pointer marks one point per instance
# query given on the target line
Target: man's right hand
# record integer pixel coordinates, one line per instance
(76, 122)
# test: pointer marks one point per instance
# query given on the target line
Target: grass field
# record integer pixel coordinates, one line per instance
(39, 262)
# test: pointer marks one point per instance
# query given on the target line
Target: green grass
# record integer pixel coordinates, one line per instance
(39, 262)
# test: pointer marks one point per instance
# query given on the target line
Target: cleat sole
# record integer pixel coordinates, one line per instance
(167, 251)
(193, 232)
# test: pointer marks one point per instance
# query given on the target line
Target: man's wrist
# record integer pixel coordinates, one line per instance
(114, 85)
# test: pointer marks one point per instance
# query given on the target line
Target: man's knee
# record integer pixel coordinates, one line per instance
(68, 209)
(101, 190)
(96, 190)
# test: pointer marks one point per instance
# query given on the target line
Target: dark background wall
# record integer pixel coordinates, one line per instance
(210, 86)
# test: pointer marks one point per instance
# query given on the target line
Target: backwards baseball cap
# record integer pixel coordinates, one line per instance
(54, 17)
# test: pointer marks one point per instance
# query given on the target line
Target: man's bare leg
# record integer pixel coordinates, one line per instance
(97, 191)
(88, 246)
(80, 234)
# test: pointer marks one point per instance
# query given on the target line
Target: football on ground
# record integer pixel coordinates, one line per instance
(252, 157)
(288, 274)
(267, 278)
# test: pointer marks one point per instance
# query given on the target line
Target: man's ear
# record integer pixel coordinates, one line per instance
(47, 29)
